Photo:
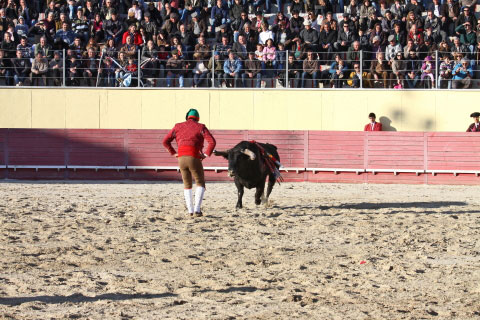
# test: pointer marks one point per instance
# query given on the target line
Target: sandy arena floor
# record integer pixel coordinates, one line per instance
(128, 251)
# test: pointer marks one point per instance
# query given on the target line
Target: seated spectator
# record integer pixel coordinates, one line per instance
(65, 35)
(294, 73)
(113, 28)
(280, 60)
(399, 68)
(74, 73)
(354, 79)
(475, 126)
(55, 69)
(134, 34)
(242, 47)
(378, 33)
(413, 70)
(200, 71)
(345, 39)
(21, 69)
(269, 55)
(150, 63)
(81, 26)
(203, 48)
(223, 31)
(6, 69)
(252, 71)
(90, 68)
(326, 40)
(175, 68)
(399, 34)
(445, 73)
(379, 74)
(218, 15)
(25, 48)
(310, 69)
(44, 48)
(21, 27)
(296, 22)
(197, 26)
(392, 49)
(77, 47)
(283, 34)
(398, 11)
(353, 53)
(129, 48)
(223, 48)
(468, 37)
(216, 65)
(232, 69)
(338, 73)
(8, 46)
(132, 69)
(107, 73)
(428, 71)
(309, 36)
(96, 29)
(265, 34)
(462, 75)
(39, 70)
(121, 70)
(373, 125)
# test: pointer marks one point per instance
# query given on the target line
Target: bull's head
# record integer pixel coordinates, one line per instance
(234, 157)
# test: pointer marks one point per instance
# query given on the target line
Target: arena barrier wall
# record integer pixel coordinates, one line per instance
(237, 109)
(317, 156)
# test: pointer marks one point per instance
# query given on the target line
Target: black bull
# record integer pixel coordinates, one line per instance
(246, 164)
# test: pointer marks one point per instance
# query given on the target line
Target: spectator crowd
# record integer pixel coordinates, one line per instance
(240, 43)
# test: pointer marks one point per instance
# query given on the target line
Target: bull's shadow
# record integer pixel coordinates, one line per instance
(388, 205)
(80, 298)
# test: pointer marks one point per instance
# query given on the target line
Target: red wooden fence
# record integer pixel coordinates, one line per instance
(320, 156)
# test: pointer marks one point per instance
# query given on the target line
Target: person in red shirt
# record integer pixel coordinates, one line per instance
(373, 125)
(190, 136)
(474, 127)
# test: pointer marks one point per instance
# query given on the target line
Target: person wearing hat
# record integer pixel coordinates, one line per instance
(149, 26)
(309, 36)
(475, 126)
(373, 125)
(190, 136)
(197, 26)
(428, 71)
(392, 49)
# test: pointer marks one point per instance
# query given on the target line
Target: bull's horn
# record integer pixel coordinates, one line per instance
(249, 153)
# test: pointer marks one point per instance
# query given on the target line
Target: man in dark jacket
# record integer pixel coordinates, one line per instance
(252, 70)
(21, 68)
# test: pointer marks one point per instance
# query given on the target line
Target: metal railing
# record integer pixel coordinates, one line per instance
(212, 69)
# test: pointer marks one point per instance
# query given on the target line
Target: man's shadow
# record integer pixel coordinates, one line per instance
(386, 124)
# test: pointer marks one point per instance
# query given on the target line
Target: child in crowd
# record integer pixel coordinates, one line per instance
(428, 70)
(445, 72)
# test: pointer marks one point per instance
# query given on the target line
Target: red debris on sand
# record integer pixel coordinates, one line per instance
(363, 262)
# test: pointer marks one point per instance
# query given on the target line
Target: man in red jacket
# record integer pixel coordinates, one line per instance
(189, 136)
(373, 125)
(475, 126)
(136, 37)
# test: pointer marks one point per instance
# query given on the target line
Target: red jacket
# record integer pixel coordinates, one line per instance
(376, 127)
(189, 136)
(472, 128)
(137, 38)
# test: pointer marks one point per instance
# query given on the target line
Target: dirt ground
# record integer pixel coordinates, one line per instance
(319, 251)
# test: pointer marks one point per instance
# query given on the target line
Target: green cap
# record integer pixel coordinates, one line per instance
(192, 113)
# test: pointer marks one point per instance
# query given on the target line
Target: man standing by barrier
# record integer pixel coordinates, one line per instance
(475, 126)
(190, 136)
(373, 125)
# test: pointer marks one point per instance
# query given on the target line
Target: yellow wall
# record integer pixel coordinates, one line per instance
(422, 110)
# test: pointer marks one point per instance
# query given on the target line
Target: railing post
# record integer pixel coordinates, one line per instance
(437, 65)
(286, 69)
(139, 69)
(64, 68)
(213, 68)
(361, 69)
